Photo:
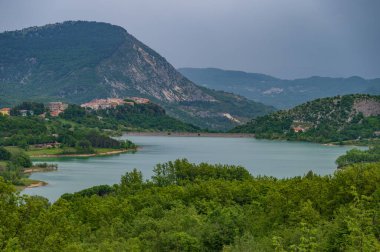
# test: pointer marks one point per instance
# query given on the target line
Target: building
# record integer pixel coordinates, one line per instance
(139, 100)
(23, 112)
(299, 129)
(104, 103)
(56, 108)
(5, 111)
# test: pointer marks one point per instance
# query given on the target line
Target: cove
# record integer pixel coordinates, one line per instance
(261, 157)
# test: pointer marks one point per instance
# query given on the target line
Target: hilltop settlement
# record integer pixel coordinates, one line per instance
(56, 108)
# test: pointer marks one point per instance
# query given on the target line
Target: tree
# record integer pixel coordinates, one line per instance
(4, 154)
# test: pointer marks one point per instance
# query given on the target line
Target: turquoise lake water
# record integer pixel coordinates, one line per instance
(261, 157)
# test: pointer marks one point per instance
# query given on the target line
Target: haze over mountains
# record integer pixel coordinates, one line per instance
(79, 61)
(277, 92)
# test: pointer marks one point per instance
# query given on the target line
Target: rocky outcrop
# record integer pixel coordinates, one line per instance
(368, 107)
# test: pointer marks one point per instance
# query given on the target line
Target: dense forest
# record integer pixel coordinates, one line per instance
(189, 207)
(79, 130)
(25, 132)
(337, 119)
(359, 156)
(140, 117)
(15, 162)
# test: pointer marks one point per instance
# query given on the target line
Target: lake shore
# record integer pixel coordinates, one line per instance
(108, 153)
(30, 183)
(37, 184)
(189, 134)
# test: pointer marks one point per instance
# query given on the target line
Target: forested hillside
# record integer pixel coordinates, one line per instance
(139, 117)
(336, 119)
(55, 136)
(188, 207)
(76, 126)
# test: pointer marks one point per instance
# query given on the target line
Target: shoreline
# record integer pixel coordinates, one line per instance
(108, 153)
(190, 134)
(229, 135)
(37, 184)
(39, 169)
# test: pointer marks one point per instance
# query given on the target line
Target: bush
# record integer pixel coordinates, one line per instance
(4, 154)
(21, 159)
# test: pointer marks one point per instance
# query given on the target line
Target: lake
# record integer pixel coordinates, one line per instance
(261, 157)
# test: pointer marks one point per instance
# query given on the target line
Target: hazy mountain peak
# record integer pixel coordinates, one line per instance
(278, 92)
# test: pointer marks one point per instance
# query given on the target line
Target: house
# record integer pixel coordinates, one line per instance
(46, 145)
(23, 112)
(103, 103)
(55, 113)
(5, 111)
(299, 129)
(56, 108)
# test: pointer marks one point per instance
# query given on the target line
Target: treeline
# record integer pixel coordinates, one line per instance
(12, 164)
(359, 156)
(188, 207)
(326, 120)
(26, 131)
(32, 108)
(140, 117)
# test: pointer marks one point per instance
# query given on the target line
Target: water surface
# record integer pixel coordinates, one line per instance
(261, 157)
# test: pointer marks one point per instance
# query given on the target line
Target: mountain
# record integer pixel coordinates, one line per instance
(77, 61)
(278, 92)
(336, 119)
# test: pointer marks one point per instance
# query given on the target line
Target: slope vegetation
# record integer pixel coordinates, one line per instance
(336, 119)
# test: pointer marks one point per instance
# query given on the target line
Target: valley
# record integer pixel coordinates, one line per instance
(106, 146)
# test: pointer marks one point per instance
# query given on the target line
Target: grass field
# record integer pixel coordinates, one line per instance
(48, 151)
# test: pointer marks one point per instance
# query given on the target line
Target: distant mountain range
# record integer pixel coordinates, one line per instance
(278, 92)
(334, 119)
(78, 61)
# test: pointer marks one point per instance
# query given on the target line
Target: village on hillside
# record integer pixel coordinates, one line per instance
(56, 108)
(113, 102)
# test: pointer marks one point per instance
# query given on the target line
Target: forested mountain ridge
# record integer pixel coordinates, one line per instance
(334, 119)
(280, 93)
(77, 61)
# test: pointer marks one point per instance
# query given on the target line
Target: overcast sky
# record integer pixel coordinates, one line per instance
(284, 38)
